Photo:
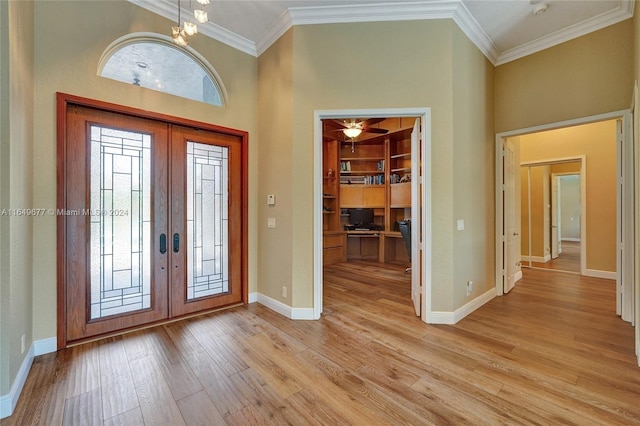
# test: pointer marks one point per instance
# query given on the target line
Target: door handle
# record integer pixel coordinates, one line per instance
(163, 243)
(176, 242)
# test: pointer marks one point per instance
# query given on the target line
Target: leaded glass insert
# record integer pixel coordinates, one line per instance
(120, 212)
(207, 220)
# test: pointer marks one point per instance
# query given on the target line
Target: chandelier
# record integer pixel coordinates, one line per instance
(181, 33)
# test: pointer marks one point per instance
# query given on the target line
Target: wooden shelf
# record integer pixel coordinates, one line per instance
(362, 158)
(402, 169)
(405, 155)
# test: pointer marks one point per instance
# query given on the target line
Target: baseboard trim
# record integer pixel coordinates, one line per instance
(39, 347)
(444, 317)
(600, 274)
(517, 276)
(8, 402)
(285, 310)
(253, 297)
(572, 240)
(538, 259)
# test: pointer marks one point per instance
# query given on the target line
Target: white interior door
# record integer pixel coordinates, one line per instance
(416, 215)
(555, 240)
(512, 252)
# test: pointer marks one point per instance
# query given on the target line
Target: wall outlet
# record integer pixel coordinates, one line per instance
(23, 344)
(284, 291)
(469, 287)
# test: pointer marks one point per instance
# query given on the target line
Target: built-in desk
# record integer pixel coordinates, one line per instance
(383, 246)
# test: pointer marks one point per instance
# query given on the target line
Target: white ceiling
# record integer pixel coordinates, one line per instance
(503, 30)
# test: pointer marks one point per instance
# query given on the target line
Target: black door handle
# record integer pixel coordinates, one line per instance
(163, 243)
(176, 242)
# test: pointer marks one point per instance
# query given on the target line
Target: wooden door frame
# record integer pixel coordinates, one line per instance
(63, 101)
(425, 116)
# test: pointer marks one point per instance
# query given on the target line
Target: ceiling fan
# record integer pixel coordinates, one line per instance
(352, 128)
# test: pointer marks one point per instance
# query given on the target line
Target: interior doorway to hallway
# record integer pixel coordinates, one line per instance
(609, 247)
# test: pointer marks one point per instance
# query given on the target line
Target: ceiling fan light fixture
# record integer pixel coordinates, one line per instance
(352, 132)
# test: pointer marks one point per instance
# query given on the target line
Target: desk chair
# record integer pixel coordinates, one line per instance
(405, 231)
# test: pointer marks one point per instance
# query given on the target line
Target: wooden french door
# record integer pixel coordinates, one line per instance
(152, 217)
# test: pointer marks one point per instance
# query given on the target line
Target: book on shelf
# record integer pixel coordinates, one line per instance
(380, 166)
(345, 166)
(362, 180)
(396, 178)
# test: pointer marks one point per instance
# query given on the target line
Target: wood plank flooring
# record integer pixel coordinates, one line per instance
(551, 352)
(568, 260)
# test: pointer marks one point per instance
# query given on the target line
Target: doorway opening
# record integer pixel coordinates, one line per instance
(367, 188)
(552, 214)
(607, 211)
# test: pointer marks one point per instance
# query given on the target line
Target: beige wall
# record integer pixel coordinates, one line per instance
(586, 76)
(275, 103)
(597, 142)
(66, 60)
(473, 160)
(535, 184)
(16, 189)
(382, 75)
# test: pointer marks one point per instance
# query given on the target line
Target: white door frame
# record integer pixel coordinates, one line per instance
(623, 115)
(425, 115)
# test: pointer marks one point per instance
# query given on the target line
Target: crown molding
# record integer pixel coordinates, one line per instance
(402, 11)
(169, 10)
(625, 11)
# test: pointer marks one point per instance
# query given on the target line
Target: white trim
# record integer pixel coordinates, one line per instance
(600, 274)
(8, 402)
(169, 10)
(394, 11)
(625, 11)
(425, 115)
(539, 259)
(498, 185)
(253, 297)
(45, 346)
(444, 317)
(285, 310)
(572, 240)
(517, 276)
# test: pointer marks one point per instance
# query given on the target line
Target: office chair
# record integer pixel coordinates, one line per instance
(405, 231)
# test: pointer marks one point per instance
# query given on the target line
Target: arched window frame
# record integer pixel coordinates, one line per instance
(154, 38)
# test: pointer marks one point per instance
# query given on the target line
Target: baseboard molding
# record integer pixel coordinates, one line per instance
(285, 310)
(443, 317)
(8, 402)
(253, 297)
(517, 276)
(39, 347)
(573, 240)
(600, 274)
(538, 259)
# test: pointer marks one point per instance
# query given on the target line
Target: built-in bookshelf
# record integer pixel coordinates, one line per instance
(371, 172)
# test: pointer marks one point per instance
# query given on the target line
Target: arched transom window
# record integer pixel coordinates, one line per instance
(154, 62)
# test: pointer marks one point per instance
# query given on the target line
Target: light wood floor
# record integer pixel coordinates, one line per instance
(568, 260)
(551, 352)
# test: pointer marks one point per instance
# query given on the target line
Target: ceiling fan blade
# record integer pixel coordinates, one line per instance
(371, 121)
(339, 123)
(375, 130)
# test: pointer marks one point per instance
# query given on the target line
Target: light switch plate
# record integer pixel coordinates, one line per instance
(271, 222)
(271, 200)
(460, 225)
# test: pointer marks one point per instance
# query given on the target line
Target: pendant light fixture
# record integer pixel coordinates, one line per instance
(181, 33)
